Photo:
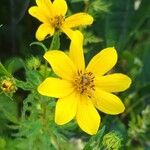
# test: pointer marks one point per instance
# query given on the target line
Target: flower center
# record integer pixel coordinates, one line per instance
(84, 83)
(7, 86)
(57, 21)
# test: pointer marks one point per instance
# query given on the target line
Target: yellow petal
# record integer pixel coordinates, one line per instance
(43, 2)
(103, 61)
(55, 87)
(38, 13)
(76, 50)
(60, 7)
(46, 8)
(107, 102)
(78, 19)
(113, 83)
(87, 116)
(69, 32)
(66, 108)
(61, 64)
(43, 31)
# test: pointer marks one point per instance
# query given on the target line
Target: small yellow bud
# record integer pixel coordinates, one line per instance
(8, 85)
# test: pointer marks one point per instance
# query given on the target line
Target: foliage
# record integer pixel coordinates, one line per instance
(26, 117)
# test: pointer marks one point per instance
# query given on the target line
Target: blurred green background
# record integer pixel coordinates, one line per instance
(124, 24)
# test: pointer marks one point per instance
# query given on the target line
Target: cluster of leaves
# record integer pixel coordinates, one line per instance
(26, 118)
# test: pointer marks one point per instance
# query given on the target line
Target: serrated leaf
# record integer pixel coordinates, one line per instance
(29, 128)
(9, 108)
(34, 77)
(23, 85)
(91, 38)
(98, 6)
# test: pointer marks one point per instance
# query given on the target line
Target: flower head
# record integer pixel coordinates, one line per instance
(52, 16)
(81, 90)
(8, 85)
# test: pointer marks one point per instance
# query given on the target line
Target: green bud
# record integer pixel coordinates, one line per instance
(112, 141)
(42, 70)
(33, 63)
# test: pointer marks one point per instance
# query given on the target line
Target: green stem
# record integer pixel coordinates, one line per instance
(55, 44)
(86, 3)
(45, 70)
(39, 44)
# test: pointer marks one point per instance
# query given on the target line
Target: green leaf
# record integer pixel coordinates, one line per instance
(14, 64)
(118, 22)
(3, 71)
(23, 85)
(28, 128)
(95, 141)
(9, 108)
(91, 38)
(34, 78)
(95, 7)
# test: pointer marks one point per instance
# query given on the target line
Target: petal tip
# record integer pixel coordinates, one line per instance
(59, 120)
(113, 49)
(31, 10)
(127, 82)
(91, 19)
(77, 35)
(92, 131)
(39, 89)
(122, 109)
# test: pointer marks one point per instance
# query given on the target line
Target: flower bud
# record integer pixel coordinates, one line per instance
(33, 63)
(112, 141)
(8, 85)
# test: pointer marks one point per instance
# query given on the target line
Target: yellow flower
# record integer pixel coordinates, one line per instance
(52, 16)
(81, 90)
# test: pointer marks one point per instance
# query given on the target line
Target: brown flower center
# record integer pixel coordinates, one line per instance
(84, 83)
(7, 86)
(57, 21)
